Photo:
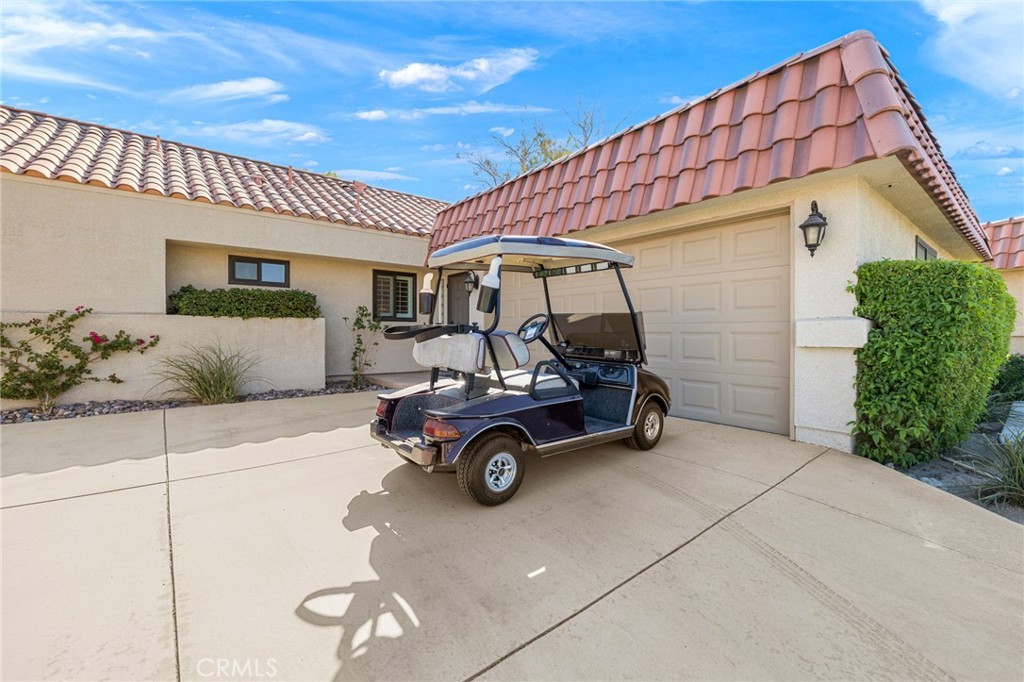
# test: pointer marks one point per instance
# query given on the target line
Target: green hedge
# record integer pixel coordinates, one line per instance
(243, 303)
(1009, 384)
(943, 329)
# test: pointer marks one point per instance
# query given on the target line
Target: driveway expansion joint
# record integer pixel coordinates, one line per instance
(170, 554)
(639, 573)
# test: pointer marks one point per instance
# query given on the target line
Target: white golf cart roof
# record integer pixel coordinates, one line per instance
(544, 256)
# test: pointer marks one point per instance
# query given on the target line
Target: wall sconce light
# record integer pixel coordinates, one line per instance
(814, 229)
(471, 282)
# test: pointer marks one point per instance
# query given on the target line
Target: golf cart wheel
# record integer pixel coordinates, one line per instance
(649, 427)
(491, 470)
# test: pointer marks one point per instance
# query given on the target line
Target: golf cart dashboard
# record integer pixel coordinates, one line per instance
(592, 373)
(600, 336)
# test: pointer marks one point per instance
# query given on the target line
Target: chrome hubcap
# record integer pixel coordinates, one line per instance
(501, 471)
(652, 425)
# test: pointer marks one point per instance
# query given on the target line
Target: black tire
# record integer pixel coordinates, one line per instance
(490, 471)
(650, 424)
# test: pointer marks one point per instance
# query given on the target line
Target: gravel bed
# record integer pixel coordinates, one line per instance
(92, 409)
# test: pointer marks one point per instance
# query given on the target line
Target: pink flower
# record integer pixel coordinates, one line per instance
(79, 308)
(140, 342)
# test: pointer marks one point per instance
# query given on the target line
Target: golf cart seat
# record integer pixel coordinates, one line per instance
(468, 353)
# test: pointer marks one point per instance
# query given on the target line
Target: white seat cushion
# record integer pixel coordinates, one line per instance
(510, 350)
(461, 352)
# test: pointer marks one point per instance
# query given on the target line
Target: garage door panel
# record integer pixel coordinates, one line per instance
(760, 403)
(763, 242)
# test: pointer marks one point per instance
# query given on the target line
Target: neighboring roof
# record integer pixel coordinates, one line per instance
(55, 148)
(830, 108)
(529, 254)
(1006, 237)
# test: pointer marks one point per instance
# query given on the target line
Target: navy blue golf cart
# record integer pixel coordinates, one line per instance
(489, 400)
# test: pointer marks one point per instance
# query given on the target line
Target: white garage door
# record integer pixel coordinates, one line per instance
(716, 306)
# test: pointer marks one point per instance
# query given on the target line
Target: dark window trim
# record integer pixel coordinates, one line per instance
(929, 252)
(258, 262)
(412, 296)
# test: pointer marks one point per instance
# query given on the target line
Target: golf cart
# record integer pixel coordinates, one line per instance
(484, 405)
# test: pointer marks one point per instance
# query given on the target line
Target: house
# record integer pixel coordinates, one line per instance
(750, 328)
(1006, 238)
(116, 221)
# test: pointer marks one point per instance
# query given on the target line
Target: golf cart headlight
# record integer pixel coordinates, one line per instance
(439, 430)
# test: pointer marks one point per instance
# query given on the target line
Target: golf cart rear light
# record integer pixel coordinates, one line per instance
(382, 409)
(439, 430)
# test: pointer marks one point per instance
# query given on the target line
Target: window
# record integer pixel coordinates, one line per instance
(261, 272)
(925, 252)
(394, 296)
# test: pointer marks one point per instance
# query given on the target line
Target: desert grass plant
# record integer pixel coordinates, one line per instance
(1001, 466)
(210, 375)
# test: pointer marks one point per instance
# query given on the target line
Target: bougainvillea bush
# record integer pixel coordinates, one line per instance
(41, 361)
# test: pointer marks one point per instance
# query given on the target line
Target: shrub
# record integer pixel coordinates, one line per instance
(1010, 379)
(209, 375)
(244, 303)
(943, 328)
(45, 362)
(359, 361)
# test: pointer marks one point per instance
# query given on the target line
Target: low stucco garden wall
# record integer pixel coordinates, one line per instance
(290, 352)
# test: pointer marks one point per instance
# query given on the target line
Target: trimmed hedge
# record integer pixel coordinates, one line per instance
(943, 330)
(244, 303)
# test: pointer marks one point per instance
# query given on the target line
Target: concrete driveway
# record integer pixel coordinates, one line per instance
(274, 541)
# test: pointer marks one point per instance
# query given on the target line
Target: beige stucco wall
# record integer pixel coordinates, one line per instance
(340, 285)
(290, 352)
(65, 245)
(1015, 285)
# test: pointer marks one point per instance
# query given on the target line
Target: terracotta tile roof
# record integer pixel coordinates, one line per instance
(45, 146)
(835, 106)
(1006, 237)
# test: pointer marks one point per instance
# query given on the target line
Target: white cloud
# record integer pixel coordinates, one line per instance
(465, 109)
(1004, 170)
(35, 31)
(676, 100)
(371, 175)
(979, 43)
(309, 164)
(985, 150)
(478, 75)
(433, 147)
(504, 132)
(266, 131)
(372, 115)
(394, 169)
(224, 91)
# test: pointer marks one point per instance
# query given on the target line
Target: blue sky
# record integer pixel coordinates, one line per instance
(390, 93)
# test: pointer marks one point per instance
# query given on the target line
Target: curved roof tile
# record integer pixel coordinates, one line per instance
(56, 148)
(1006, 237)
(829, 108)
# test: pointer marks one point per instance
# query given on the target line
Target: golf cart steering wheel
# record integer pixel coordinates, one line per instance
(533, 328)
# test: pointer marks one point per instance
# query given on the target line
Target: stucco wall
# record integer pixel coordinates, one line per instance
(340, 285)
(290, 352)
(65, 245)
(1015, 285)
